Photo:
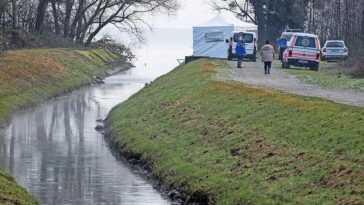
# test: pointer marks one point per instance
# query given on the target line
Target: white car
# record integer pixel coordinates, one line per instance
(334, 50)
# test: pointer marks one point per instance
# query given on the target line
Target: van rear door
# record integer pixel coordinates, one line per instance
(249, 41)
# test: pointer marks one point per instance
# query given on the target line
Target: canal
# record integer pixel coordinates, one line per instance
(54, 151)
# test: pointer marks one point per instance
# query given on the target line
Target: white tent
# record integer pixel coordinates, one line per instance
(209, 39)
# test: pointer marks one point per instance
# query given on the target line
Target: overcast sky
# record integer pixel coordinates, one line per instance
(192, 12)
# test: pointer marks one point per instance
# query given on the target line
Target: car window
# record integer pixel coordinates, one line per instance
(246, 37)
(335, 44)
(238, 37)
(306, 41)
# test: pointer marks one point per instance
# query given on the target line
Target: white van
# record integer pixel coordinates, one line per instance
(250, 41)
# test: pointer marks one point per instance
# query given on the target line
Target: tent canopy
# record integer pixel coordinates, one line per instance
(217, 21)
(228, 19)
(209, 38)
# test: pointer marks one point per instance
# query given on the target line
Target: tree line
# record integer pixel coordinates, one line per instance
(79, 20)
(338, 19)
(329, 19)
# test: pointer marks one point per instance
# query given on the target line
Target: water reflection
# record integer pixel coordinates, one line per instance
(54, 151)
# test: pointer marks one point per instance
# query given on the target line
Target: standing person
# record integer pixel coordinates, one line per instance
(240, 52)
(282, 44)
(230, 51)
(267, 52)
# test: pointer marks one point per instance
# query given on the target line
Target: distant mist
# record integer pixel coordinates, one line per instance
(170, 38)
(159, 38)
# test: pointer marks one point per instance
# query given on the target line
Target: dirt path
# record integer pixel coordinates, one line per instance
(253, 73)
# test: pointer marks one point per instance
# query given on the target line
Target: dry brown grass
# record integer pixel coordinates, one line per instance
(353, 67)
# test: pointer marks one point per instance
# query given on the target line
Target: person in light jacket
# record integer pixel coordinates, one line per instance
(267, 52)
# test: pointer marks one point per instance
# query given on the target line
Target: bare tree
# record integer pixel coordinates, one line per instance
(55, 17)
(270, 16)
(41, 12)
(80, 20)
(66, 24)
(14, 6)
(338, 19)
(330, 19)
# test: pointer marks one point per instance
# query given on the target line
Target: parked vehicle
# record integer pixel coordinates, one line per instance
(250, 41)
(285, 39)
(334, 50)
(288, 33)
(303, 50)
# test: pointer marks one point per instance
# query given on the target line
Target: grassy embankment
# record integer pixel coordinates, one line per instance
(237, 144)
(329, 75)
(30, 76)
(11, 193)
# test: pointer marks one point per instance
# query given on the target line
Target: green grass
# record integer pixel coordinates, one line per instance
(99, 56)
(328, 76)
(243, 145)
(28, 77)
(11, 193)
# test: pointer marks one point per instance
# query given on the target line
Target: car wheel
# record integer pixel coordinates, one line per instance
(315, 68)
(285, 65)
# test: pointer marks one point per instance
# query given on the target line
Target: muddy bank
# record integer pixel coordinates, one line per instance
(177, 194)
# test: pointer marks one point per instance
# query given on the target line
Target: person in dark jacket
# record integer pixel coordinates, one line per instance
(230, 51)
(282, 44)
(240, 53)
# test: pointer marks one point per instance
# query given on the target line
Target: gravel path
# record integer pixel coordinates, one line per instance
(253, 73)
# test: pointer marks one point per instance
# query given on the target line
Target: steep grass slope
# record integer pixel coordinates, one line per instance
(29, 76)
(228, 143)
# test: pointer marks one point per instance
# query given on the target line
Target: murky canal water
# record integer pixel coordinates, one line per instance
(54, 151)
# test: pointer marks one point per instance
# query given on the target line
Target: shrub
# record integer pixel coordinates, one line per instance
(353, 67)
(120, 50)
(3, 43)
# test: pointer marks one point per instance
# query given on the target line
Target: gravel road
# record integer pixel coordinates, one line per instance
(253, 73)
